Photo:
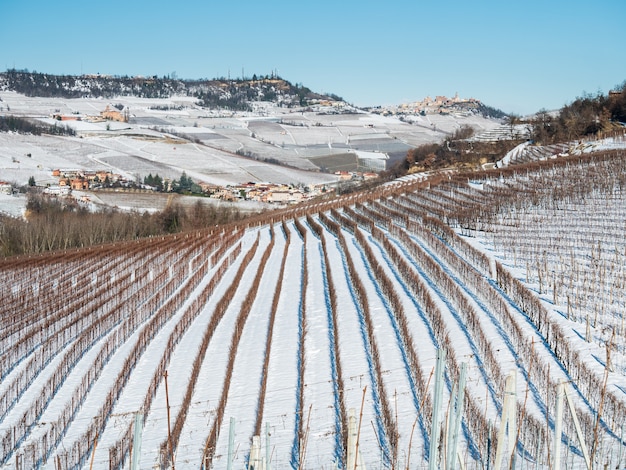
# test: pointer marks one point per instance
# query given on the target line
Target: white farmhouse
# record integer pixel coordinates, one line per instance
(6, 188)
(285, 197)
(57, 190)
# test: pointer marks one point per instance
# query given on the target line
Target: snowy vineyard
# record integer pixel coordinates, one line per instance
(310, 338)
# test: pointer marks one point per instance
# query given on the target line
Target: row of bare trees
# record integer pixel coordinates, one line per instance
(120, 324)
(584, 376)
(527, 352)
(551, 332)
(525, 349)
(576, 255)
(210, 443)
(338, 375)
(60, 321)
(533, 432)
(34, 293)
(58, 224)
(122, 448)
(439, 331)
(389, 290)
(532, 426)
(102, 315)
(119, 452)
(588, 186)
(171, 299)
(36, 290)
(270, 332)
(299, 451)
(389, 422)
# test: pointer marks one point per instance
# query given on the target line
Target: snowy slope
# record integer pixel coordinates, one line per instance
(287, 328)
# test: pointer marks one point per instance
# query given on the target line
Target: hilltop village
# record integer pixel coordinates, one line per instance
(428, 105)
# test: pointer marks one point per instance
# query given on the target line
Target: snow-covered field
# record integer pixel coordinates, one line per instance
(220, 148)
(141, 146)
(287, 329)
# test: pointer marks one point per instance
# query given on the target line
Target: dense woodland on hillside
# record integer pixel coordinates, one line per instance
(26, 126)
(585, 116)
(221, 93)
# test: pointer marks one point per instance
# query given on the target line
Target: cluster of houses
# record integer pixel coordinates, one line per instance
(272, 193)
(265, 192)
(280, 193)
(81, 180)
(358, 175)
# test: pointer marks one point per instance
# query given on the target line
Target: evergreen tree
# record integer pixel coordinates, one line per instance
(158, 183)
(183, 184)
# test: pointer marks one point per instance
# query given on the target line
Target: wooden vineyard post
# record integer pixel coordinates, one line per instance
(137, 441)
(93, 453)
(453, 436)
(304, 440)
(354, 433)
(619, 457)
(267, 446)
(579, 432)
(493, 269)
(351, 439)
(231, 444)
(408, 458)
(435, 425)
(359, 461)
(255, 454)
(594, 445)
(508, 421)
(169, 428)
(558, 425)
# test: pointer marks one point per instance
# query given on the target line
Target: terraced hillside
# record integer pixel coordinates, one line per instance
(526, 152)
(318, 330)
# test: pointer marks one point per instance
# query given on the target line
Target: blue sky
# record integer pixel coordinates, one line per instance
(519, 56)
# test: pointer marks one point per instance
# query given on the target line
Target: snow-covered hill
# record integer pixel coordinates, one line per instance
(311, 325)
(166, 136)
